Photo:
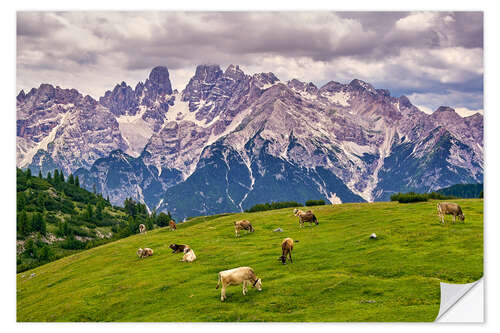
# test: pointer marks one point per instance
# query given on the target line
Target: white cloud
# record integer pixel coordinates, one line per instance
(419, 21)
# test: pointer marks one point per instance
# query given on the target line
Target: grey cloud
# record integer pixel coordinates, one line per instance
(115, 43)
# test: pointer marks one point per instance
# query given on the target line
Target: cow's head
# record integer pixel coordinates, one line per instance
(461, 217)
(295, 211)
(139, 252)
(258, 284)
(283, 259)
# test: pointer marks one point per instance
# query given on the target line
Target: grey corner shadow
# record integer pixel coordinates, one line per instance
(451, 294)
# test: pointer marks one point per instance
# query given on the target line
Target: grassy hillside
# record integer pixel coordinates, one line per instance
(338, 273)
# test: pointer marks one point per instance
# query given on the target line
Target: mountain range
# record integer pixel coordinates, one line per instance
(230, 140)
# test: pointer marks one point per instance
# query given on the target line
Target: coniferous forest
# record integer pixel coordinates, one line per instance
(56, 217)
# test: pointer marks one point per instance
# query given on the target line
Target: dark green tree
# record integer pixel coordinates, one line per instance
(49, 176)
(71, 179)
(21, 201)
(43, 225)
(163, 220)
(98, 211)
(28, 173)
(40, 174)
(23, 225)
(56, 176)
(61, 176)
(77, 181)
(89, 212)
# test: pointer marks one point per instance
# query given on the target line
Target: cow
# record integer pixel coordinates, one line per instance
(235, 276)
(286, 249)
(172, 225)
(450, 209)
(305, 217)
(177, 248)
(243, 224)
(142, 228)
(189, 255)
(143, 253)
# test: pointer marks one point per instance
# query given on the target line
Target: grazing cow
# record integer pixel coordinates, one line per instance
(243, 224)
(286, 248)
(189, 255)
(172, 225)
(143, 253)
(305, 217)
(142, 228)
(177, 248)
(450, 209)
(236, 276)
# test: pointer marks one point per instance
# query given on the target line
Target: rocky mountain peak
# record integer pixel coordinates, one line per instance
(302, 86)
(21, 96)
(332, 86)
(120, 100)
(159, 80)
(362, 86)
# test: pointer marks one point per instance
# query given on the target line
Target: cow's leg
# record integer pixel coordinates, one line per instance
(290, 255)
(454, 218)
(223, 292)
(244, 287)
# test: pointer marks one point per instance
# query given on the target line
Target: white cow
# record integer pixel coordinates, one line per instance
(235, 276)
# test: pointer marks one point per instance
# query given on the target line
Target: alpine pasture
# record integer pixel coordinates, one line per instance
(338, 273)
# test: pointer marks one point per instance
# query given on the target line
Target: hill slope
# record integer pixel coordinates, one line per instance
(338, 273)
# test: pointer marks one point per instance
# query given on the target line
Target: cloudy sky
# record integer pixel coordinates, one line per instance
(435, 58)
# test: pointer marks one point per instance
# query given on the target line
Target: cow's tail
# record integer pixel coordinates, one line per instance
(218, 282)
(296, 241)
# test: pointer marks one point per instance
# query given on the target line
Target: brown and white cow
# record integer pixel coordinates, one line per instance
(305, 217)
(172, 225)
(450, 209)
(142, 228)
(143, 253)
(235, 276)
(242, 225)
(189, 255)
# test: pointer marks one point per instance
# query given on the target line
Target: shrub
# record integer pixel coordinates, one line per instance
(418, 197)
(315, 202)
(273, 205)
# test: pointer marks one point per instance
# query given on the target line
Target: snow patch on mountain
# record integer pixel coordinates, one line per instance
(42, 145)
(339, 97)
(135, 131)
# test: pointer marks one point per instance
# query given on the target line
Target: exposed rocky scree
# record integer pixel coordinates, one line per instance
(230, 140)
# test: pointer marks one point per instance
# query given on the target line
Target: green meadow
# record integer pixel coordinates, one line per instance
(338, 272)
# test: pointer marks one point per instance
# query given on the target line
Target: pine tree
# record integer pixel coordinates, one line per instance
(43, 225)
(37, 221)
(98, 211)
(93, 189)
(90, 212)
(56, 176)
(49, 176)
(22, 223)
(28, 173)
(40, 174)
(77, 181)
(61, 176)
(21, 201)
(71, 179)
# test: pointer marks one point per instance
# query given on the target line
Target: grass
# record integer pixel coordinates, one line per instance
(338, 273)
